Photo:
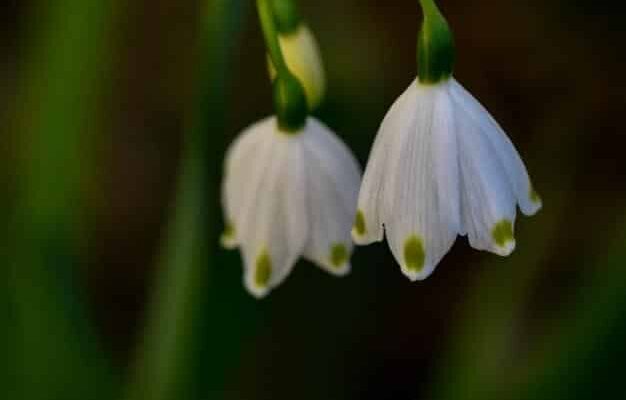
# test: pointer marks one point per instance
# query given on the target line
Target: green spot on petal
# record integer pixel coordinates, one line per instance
(534, 196)
(359, 223)
(229, 231)
(338, 255)
(502, 232)
(414, 255)
(263, 270)
(228, 238)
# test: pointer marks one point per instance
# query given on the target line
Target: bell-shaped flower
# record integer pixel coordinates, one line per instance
(441, 166)
(287, 194)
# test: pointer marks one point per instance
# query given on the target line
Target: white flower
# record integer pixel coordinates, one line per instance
(287, 195)
(441, 166)
(304, 60)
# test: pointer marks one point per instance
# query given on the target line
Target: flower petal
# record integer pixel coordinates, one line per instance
(273, 223)
(528, 199)
(244, 165)
(421, 212)
(445, 153)
(368, 226)
(488, 198)
(333, 178)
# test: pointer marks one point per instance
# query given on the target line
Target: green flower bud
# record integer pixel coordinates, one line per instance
(289, 103)
(435, 48)
(286, 15)
(304, 60)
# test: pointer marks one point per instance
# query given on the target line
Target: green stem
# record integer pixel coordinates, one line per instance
(290, 102)
(429, 7)
(435, 46)
(270, 33)
(286, 16)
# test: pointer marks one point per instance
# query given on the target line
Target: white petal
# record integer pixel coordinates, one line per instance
(526, 196)
(422, 211)
(400, 118)
(445, 153)
(333, 178)
(244, 162)
(273, 222)
(488, 199)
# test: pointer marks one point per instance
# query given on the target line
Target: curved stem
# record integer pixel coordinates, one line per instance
(266, 17)
(429, 6)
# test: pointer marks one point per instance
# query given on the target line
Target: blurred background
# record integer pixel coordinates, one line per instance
(115, 118)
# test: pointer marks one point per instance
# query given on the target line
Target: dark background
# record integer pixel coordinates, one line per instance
(534, 325)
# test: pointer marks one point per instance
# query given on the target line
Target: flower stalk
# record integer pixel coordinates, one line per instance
(289, 99)
(286, 16)
(435, 46)
(270, 34)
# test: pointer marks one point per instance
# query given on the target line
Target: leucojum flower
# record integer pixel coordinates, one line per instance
(441, 166)
(290, 186)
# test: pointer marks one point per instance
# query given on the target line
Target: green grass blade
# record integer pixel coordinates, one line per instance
(168, 366)
(54, 353)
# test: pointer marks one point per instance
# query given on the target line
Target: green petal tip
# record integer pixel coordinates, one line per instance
(502, 233)
(414, 254)
(263, 270)
(339, 255)
(359, 223)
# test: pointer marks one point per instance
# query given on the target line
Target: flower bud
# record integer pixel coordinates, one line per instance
(303, 58)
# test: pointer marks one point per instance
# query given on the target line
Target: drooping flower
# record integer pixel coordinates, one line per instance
(290, 185)
(441, 166)
(287, 194)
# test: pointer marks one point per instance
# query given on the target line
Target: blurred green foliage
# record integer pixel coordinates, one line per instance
(169, 365)
(54, 351)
